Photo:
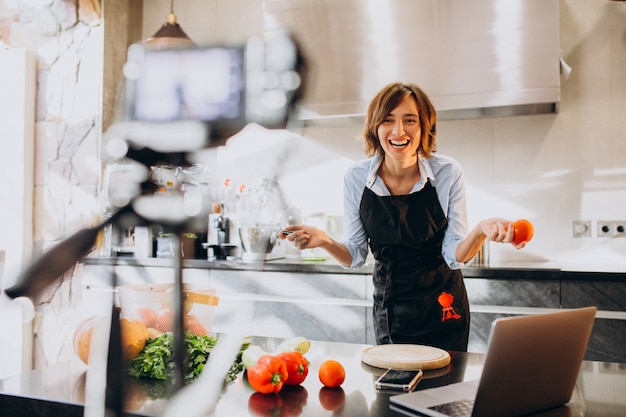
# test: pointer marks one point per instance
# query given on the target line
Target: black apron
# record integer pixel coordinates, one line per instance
(417, 297)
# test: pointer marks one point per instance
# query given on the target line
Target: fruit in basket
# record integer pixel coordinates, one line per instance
(82, 336)
(147, 316)
(134, 337)
(165, 320)
(194, 326)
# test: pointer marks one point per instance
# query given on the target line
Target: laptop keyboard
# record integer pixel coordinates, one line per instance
(461, 408)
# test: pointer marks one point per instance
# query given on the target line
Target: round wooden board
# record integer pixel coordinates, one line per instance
(405, 357)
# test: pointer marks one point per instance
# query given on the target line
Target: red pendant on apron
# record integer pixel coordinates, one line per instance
(447, 311)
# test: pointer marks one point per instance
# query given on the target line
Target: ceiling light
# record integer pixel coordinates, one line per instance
(171, 35)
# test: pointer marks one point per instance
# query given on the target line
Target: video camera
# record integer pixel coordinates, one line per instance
(177, 101)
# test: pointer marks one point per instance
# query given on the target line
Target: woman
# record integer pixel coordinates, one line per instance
(409, 204)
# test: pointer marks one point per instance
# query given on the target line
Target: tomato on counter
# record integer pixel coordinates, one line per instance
(331, 373)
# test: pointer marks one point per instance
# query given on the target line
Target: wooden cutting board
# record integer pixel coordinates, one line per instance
(405, 357)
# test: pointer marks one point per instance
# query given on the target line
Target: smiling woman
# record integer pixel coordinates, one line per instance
(407, 205)
(401, 103)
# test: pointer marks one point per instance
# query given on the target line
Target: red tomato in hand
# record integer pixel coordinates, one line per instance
(523, 231)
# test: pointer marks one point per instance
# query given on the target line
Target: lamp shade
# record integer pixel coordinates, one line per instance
(169, 36)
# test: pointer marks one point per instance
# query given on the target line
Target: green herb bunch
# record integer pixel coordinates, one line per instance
(156, 360)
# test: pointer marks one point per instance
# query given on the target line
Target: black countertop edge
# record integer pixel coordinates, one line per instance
(593, 276)
(525, 271)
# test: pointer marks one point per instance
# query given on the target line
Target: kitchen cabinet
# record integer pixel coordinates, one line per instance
(282, 304)
(492, 298)
(608, 337)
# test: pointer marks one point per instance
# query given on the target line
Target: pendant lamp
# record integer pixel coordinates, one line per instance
(170, 35)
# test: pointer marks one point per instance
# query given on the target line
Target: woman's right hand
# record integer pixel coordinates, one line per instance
(304, 236)
(497, 229)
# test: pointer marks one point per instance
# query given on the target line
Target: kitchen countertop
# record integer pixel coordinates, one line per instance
(503, 270)
(60, 389)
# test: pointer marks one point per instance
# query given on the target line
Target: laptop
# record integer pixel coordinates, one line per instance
(531, 365)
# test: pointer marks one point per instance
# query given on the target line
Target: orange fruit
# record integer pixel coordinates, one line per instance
(133, 333)
(82, 336)
(165, 320)
(523, 231)
(147, 316)
(194, 326)
(331, 373)
(134, 337)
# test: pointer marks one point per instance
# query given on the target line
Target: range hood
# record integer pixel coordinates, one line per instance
(475, 58)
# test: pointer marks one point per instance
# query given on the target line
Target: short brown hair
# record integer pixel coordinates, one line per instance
(388, 99)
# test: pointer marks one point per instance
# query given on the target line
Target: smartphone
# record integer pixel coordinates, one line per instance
(286, 232)
(397, 380)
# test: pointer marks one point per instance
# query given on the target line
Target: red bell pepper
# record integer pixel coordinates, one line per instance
(268, 375)
(297, 367)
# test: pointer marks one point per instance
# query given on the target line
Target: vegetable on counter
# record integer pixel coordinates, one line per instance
(156, 360)
(251, 355)
(268, 375)
(297, 367)
(295, 344)
(331, 373)
(290, 353)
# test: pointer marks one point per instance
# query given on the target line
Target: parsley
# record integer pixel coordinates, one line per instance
(156, 359)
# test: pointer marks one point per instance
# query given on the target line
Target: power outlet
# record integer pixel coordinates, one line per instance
(605, 228)
(614, 228)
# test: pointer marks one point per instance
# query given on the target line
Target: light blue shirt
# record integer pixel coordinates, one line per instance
(444, 173)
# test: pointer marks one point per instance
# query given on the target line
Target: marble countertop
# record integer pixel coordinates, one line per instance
(503, 270)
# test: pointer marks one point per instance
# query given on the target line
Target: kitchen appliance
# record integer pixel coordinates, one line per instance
(260, 244)
(222, 238)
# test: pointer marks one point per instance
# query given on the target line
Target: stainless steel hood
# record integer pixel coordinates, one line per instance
(475, 58)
